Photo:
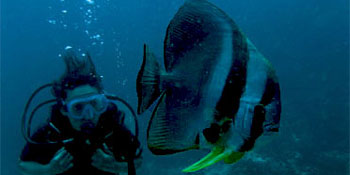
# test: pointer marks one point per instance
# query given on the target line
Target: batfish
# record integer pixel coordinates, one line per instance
(215, 90)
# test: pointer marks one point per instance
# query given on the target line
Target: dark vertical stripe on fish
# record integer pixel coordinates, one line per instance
(271, 91)
(228, 104)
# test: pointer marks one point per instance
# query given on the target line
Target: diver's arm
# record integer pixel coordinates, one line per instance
(104, 160)
(61, 162)
(115, 166)
(33, 168)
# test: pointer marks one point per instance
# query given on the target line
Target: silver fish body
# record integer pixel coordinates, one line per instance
(215, 84)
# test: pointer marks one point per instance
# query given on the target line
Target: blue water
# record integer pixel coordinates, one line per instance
(306, 41)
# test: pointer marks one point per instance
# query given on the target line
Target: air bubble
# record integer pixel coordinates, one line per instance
(90, 1)
(51, 21)
(68, 47)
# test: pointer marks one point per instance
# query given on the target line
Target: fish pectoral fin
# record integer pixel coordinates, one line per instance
(217, 154)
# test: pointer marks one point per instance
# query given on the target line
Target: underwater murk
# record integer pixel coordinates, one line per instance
(306, 42)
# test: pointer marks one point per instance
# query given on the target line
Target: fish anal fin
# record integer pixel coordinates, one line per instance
(167, 133)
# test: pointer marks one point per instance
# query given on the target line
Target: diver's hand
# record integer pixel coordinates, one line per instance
(104, 160)
(61, 162)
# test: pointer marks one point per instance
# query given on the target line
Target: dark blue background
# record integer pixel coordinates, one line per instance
(306, 41)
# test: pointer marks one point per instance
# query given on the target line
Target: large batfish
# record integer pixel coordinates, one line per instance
(216, 91)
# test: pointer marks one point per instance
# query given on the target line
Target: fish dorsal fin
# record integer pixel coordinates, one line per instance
(196, 33)
(148, 81)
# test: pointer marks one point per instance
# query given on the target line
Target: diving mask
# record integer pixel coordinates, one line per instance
(90, 106)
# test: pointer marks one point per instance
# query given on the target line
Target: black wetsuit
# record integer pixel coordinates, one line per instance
(110, 130)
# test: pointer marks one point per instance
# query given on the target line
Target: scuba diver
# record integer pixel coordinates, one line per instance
(88, 131)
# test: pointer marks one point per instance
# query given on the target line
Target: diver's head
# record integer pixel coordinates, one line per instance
(83, 107)
(79, 92)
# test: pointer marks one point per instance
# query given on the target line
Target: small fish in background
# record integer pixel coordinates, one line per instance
(216, 91)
